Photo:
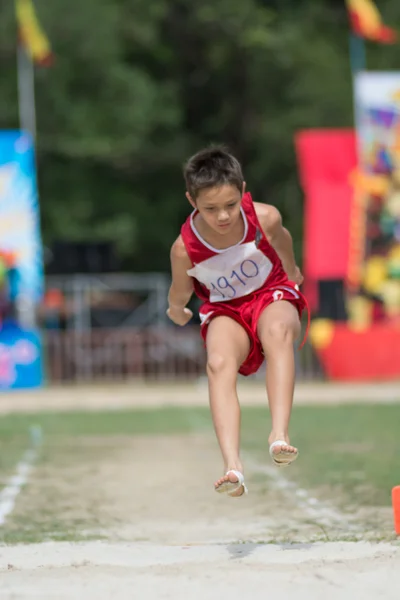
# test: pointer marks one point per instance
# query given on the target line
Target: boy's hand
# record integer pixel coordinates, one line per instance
(296, 276)
(180, 316)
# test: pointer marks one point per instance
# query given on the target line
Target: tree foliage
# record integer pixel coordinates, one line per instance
(138, 86)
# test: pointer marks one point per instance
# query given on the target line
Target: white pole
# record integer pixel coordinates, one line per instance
(27, 122)
(26, 91)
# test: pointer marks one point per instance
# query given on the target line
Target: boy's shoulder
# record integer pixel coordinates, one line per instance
(268, 215)
(178, 249)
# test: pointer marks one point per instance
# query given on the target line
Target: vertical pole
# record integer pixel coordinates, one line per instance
(26, 92)
(27, 123)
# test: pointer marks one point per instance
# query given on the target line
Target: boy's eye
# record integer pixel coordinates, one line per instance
(210, 208)
(232, 205)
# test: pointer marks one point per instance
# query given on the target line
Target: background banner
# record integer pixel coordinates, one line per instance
(21, 265)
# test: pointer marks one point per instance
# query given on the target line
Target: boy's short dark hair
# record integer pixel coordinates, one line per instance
(213, 166)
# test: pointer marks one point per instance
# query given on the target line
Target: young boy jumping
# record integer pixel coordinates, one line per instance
(238, 259)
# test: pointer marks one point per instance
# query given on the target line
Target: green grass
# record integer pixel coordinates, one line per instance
(147, 422)
(341, 446)
(349, 454)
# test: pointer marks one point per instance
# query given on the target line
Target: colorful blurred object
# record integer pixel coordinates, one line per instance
(321, 333)
(361, 354)
(20, 236)
(31, 34)
(377, 185)
(375, 273)
(3, 271)
(394, 262)
(53, 299)
(390, 293)
(8, 258)
(360, 311)
(21, 365)
(21, 264)
(366, 22)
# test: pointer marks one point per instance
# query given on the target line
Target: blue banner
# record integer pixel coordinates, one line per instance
(19, 214)
(20, 359)
(21, 264)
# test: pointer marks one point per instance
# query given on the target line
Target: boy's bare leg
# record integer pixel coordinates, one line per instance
(278, 328)
(227, 346)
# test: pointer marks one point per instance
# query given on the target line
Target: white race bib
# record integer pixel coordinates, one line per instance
(234, 273)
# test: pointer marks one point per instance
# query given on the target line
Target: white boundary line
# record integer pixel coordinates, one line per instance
(318, 511)
(13, 487)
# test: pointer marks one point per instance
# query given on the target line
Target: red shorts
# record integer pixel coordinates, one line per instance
(246, 311)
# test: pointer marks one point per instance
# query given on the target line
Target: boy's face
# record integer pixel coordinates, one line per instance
(219, 207)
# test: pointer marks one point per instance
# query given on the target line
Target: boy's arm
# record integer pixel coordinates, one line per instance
(181, 289)
(279, 238)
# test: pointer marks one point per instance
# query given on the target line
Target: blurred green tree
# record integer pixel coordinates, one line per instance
(138, 86)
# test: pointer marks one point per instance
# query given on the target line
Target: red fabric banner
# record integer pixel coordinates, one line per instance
(326, 158)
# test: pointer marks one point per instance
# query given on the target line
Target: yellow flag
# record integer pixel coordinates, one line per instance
(31, 34)
(366, 22)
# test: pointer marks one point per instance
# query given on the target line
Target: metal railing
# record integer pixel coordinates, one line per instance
(155, 353)
(141, 343)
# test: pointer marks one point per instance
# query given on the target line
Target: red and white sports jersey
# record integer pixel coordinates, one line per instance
(231, 274)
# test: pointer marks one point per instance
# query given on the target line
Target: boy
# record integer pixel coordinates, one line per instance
(238, 259)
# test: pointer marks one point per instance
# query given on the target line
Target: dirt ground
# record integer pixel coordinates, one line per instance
(171, 536)
(136, 393)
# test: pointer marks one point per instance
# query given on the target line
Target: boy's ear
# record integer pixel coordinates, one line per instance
(192, 202)
(243, 188)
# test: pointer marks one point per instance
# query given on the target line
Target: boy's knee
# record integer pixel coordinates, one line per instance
(219, 363)
(280, 330)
